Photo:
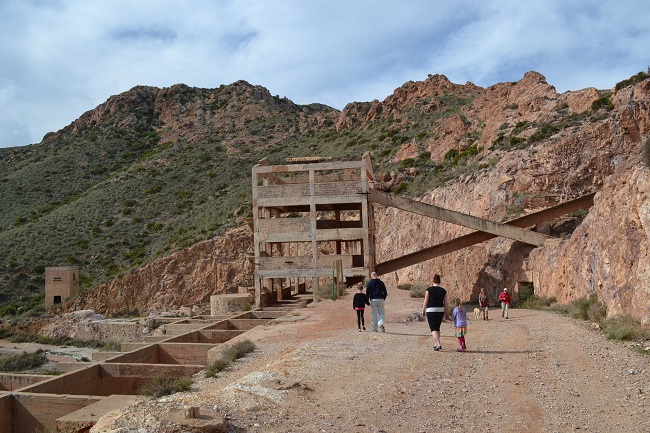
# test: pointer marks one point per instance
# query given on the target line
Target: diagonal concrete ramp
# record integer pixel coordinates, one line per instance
(486, 229)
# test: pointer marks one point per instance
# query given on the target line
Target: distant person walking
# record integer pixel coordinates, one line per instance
(359, 303)
(504, 297)
(484, 303)
(376, 292)
(435, 308)
(460, 323)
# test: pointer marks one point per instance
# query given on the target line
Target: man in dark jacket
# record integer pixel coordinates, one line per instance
(376, 292)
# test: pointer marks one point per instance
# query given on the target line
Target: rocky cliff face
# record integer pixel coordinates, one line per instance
(192, 114)
(187, 277)
(606, 255)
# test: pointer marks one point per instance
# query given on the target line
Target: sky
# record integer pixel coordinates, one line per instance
(61, 58)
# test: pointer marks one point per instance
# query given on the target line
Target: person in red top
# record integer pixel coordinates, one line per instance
(504, 297)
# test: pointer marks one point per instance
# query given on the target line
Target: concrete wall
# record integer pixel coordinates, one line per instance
(110, 379)
(34, 412)
(67, 367)
(80, 382)
(6, 413)
(230, 303)
(259, 314)
(183, 353)
(103, 356)
(120, 332)
(144, 355)
(15, 381)
(167, 353)
(183, 327)
(237, 324)
(214, 336)
(247, 324)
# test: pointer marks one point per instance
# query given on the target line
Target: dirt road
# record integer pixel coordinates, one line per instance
(313, 372)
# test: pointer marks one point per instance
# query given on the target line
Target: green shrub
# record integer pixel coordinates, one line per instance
(538, 303)
(579, 309)
(624, 328)
(646, 152)
(604, 102)
(451, 154)
(407, 286)
(111, 346)
(526, 292)
(239, 350)
(217, 367)
(399, 189)
(161, 385)
(417, 291)
(634, 79)
(588, 308)
(233, 353)
(513, 210)
(24, 361)
(516, 141)
(597, 312)
(545, 131)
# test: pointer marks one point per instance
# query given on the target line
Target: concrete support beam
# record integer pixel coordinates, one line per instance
(465, 220)
(478, 237)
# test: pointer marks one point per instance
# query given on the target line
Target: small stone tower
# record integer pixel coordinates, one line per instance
(61, 283)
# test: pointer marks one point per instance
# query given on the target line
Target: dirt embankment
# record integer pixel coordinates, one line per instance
(314, 372)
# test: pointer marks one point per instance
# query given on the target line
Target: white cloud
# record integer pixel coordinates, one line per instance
(63, 57)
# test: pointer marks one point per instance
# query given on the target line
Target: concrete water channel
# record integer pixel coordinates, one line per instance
(75, 400)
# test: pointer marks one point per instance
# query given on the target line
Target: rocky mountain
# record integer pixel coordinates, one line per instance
(495, 153)
(145, 174)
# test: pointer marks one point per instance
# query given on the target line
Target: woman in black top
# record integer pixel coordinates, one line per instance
(435, 307)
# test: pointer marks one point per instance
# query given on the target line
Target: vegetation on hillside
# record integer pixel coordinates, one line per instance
(24, 361)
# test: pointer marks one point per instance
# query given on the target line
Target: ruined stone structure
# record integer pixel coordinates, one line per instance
(308, 217)
(61, 284)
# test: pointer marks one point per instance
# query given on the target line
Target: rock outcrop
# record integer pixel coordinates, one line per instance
(606, 255)
(186, 277)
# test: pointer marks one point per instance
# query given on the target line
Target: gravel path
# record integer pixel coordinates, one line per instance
(313, 372)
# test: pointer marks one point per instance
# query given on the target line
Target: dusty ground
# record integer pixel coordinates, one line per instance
(536, 372)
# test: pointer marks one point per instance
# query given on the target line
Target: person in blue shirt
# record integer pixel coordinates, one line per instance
(460, 322)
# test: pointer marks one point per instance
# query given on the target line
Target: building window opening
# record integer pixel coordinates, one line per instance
(57, 299)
